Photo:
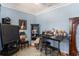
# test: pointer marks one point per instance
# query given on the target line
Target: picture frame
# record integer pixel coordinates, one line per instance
(22, 24)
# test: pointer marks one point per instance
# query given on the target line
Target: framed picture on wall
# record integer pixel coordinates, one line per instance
(22, 24)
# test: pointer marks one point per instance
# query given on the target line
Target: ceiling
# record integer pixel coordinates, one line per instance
(31, 8)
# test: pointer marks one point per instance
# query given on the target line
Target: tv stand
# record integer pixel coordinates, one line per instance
(9, 49)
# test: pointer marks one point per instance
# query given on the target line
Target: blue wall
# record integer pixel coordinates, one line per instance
(58, 18)
(15, 16)
(0, 11)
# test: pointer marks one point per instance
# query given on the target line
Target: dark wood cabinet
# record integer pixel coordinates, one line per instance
(72, 43)
(34, 31)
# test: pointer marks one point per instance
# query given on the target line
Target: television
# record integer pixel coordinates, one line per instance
(10, 33)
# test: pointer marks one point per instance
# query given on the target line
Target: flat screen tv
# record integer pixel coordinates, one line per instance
(10, 33)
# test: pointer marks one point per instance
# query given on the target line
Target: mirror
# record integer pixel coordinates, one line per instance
(73, 42)
(77, 38)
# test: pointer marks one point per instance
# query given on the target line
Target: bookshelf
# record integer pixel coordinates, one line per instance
(34, 31)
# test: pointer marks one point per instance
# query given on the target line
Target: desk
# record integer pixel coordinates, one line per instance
(58, 39)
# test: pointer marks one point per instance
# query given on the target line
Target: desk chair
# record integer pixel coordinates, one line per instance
(46, 47)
